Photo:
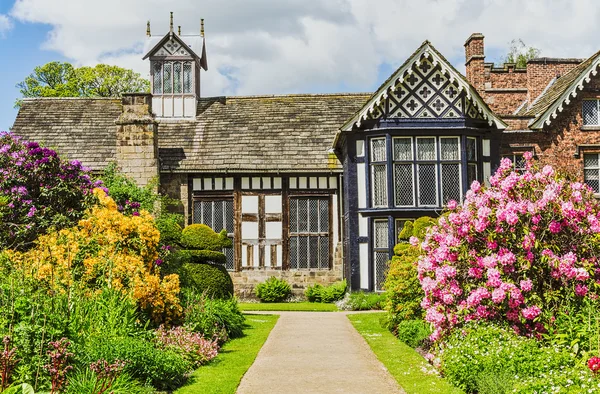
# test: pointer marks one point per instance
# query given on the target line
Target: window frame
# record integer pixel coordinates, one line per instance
(320, 199)
(472, 162)
(379, 249)
(597, 168)
(435, 162)
(410, 162)
(583, 120)
(372, 165)
(158, 68)
(454, 161)
(213, 199)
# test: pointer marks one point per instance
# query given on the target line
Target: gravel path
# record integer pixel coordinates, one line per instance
(316, 352)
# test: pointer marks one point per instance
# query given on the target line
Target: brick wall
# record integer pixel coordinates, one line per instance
(474, 58)
(557, 144)
(137, 144)
(543, 70)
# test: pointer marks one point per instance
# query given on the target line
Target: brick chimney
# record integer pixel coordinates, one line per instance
(137, 139)
(474, 56)
(541, 71)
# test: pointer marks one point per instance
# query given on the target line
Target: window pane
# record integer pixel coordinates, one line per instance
(168, 86)
(403, 178)
(309, 250)
(177, 78)
(450, 182)
(449, 149)
(187, 77)
(427, 184)
(471, 149)
(381, 265)
(157, 78)
(379, 186)
(425, 148)
(381, 234)
(590, 160)
(471, 173)
(378, 149)
(592, 180)
(519, 162)
(402, 149)
(218, 215)
(590, 112)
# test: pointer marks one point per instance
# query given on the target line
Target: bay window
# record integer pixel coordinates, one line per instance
(379, 172)
(172, 77)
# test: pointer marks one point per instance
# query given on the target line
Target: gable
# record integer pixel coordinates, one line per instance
(171, 48)
(425, 86)
(170, 45)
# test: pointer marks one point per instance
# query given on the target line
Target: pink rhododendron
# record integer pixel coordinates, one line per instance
(526, 238)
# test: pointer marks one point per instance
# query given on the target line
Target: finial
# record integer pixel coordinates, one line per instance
(171, 24)
(178, 30)
(148, 29)
(202, 27)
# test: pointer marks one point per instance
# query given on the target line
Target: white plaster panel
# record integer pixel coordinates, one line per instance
(279, 255)
(363, 255)
(157, 106)
(245, 183)
(363, 226)
(332, 182)
(267, 256)
(249, 230)
(273, 204)
(313, 182)
(360, 148)
(250, 204)
(362, 185)
(189, 107)
(229, 183)
(273, 230)
(167, 107)
(256, 182)
(178, 107)
(302, 182)
(277, 183)
(266, 182)
(322, 182)
(256, 262)
(487, 173)
(197, 184)
(207, 183)
(335, 224)
(218, 183)
(486, 147)
(293, 182)
(244, 256)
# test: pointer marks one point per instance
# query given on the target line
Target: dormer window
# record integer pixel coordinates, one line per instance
(590, 112)
(172, 78)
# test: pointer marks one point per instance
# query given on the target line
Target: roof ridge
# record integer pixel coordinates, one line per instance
(258, 96)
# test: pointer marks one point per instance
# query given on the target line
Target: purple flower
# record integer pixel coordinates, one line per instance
(158, 262)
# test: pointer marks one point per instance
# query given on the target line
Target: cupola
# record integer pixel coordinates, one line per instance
(175, 63)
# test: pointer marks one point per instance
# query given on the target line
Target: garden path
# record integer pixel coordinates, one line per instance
(316, 352)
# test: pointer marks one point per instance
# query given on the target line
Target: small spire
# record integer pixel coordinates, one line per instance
(202, 27)
(178, 30)
(148, 29)
(171, 24)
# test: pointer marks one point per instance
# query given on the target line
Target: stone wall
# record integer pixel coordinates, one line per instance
(245, 281)
(137, 143)
(175, 186)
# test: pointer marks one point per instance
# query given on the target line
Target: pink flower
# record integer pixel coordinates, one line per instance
(581, 290)
(526, 285)
(498, 295)
(414, 241)
(531, 313)
(452, 204)
(554, 227)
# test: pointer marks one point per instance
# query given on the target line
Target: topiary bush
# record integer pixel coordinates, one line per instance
(202, 237)
(210, 279)
(512, 252)
(273, 290)
(326, 294)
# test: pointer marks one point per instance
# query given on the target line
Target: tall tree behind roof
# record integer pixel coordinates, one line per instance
(519, 53)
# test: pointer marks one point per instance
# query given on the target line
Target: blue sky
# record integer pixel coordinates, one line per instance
(283, 46)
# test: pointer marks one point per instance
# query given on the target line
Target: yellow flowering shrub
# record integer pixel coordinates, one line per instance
(106, 249)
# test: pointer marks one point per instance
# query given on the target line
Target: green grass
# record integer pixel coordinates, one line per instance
(224, 374)
(288, 306)
(406, 365)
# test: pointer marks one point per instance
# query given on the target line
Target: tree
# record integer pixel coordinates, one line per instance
(520, 54)
(61, 79)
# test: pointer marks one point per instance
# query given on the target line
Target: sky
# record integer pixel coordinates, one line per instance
(283, 46)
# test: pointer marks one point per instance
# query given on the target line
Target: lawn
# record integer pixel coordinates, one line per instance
(288, 306)
(410, 370)
(224, 373)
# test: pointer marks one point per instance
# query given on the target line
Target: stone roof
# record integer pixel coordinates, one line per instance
(78, 128)
(288, 133)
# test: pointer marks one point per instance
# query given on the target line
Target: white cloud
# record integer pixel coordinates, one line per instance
(284, 46)
(5, 25)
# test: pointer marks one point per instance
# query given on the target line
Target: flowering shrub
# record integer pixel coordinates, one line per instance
(594, 364)
(106, 374)
(40, 189)
(59, 364)
(8, 362)
(192, 345)
(106, 249)
(511, 251)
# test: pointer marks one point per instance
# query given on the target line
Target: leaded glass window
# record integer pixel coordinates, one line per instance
(157, 81)
(379, 172)
(381, 253)
(309, 233)
(518, 161)
(403, 172)
(218, 215)
(426, 148)
(471, 151)
(187, 77)
(177, 78)
(590, 112)
(591, 171)
(168, 77)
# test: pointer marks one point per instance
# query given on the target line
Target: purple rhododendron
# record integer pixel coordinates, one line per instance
(510, 251)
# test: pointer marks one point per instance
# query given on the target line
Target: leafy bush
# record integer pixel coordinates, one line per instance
(39, 191)
(511, 251)
(109, 249)
(169, 228)
(273, 290)
(482, 352)
(361, 301)
(83, 381)
(211, 279)
(402, 282)
(163, 369)
(331, 293)
(202, 237)
(128, 196)
(191, 345)
(220, 318)
(414, 333)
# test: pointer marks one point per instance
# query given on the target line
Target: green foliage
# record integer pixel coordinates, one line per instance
(211, 316)
(202, 237)
(361, 301)
(475, 354)
(22, 388)
(211, 279)
(331, 293)
(163, 369)
(84, 381)
(402, 283)
(61, 79)
(170, 229)
(125, 191)
(520, 54)
(273, 290)
(414, 333)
